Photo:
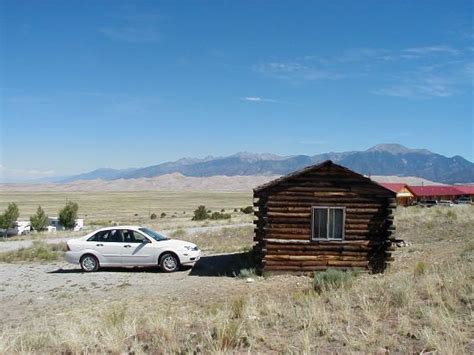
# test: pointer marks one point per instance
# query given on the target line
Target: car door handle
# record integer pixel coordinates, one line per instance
(127, 246)
(99, 245)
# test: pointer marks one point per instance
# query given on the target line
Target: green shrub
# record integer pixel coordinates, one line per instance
(163, 215)
(9, 217)
(219, 215)
(39, 221)
(68, 215)
(153, 216)
(247, 210)
(200, 214)
(332, 279)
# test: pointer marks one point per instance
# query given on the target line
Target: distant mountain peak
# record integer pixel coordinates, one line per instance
(382, 159)
(394, 148)
(253, 157)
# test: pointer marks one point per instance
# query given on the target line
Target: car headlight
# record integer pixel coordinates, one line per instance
(191, 248)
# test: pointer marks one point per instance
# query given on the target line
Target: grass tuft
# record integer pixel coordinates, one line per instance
(332, 279)
(39, 251)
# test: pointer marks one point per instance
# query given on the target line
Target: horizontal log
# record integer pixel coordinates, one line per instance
(348, 263)
(310, 201)
(309, 207)
(271, 263)
(292, 268)
(313, 257)
(284, 251)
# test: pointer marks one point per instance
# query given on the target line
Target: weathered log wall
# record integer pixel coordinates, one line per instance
(283, 224)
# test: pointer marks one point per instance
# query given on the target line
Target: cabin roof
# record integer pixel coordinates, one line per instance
(316, 167)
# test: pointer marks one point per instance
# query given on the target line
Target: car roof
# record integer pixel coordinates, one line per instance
(120, 227)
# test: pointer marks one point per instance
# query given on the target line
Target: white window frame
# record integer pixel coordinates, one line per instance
(313, 208)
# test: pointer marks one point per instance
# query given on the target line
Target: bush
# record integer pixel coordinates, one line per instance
(9, 217)
(332, 279)
(39, 221)
(247, 210)
(153, 216)
(219, 215)
(200, 214)
(163, 215)
(68, 215)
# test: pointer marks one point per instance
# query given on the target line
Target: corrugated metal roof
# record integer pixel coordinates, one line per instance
(465, 189)
(435, 190)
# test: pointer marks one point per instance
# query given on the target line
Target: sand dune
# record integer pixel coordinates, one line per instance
(178, 182)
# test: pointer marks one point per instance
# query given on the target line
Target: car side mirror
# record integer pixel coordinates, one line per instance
(145, 241)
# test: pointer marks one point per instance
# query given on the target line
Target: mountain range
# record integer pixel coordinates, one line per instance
(382, 159)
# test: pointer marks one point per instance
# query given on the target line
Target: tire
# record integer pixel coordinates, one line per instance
(89, 263)
(169, 262)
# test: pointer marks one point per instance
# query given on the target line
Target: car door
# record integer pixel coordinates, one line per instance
(138, 249)
(108, 244)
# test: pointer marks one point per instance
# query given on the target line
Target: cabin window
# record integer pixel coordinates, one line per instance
(328, 223)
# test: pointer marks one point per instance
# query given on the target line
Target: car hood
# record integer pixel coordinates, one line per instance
(176, 243)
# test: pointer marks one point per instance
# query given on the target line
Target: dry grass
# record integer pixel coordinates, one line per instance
(39, 251)
(102, 208)
(409, 309)
(222, 241)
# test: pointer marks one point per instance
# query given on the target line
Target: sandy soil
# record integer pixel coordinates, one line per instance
(27, 289)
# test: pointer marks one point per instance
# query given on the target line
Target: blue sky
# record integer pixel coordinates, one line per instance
(88, 84)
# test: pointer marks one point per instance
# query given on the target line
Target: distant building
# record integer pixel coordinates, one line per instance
(435, 192)
(54, 223)
(467, 190)
(404, 195)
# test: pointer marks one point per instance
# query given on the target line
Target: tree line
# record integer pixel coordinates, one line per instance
(39, 221)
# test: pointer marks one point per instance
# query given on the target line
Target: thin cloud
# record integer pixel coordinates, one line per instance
(257, 99)
(294, 71)
(423, 88)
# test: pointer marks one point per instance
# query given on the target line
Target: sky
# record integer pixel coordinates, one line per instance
(89, 84)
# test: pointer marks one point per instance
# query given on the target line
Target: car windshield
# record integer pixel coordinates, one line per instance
(155, 235)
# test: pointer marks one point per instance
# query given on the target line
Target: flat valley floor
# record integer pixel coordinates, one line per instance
(422, 303)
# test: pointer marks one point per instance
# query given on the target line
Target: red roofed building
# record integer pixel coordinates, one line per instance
(435, 192)
(404, 196)
(467, 190)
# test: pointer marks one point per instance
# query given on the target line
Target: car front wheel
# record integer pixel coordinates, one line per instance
(169, 262)
(89, 263)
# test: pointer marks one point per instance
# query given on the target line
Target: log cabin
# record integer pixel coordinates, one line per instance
(323, 216)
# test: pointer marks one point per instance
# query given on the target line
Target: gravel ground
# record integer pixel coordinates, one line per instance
(31, 289)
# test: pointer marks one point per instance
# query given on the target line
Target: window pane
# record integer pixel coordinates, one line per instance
(337, 223)
(131, 236)
(320, 218)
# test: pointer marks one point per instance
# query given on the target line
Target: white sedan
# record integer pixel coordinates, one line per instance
(130, 246)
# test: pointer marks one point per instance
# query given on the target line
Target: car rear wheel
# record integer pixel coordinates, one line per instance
(89, 263)
(169, 262)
